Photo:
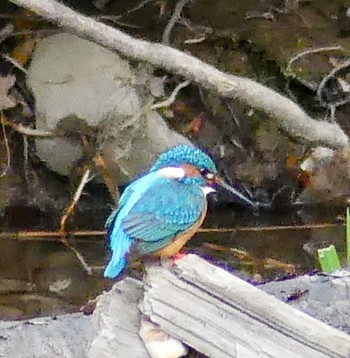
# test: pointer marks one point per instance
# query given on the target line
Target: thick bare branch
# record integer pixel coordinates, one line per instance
(290, 117)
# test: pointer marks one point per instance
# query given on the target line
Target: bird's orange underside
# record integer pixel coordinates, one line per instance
(180, 240)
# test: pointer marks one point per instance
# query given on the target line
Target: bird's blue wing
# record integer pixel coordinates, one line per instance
(119, 240)
(166, 209)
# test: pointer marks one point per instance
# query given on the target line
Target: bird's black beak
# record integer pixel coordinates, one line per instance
(232, 190)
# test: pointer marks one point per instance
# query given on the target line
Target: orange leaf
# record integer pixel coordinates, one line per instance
(23, 51)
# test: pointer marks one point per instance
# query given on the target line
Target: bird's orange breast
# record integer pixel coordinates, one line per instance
(180, 240)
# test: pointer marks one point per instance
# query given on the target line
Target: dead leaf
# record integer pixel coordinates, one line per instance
(23, 51)
(6, 100)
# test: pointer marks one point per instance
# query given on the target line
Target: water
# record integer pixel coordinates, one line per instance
(42, 277)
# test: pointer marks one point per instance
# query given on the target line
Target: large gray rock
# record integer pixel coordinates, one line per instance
(112, 331)
(326, 298)
(62, 337)
(72, 76)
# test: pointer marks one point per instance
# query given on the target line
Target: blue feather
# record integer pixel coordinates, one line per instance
(120, 241)
(181, 154)
(154, 209)
(167, 208)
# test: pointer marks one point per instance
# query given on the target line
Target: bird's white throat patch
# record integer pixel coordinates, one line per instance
(207, 190)
(171, 172)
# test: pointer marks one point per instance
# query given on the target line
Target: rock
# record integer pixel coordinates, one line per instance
(112, 331)
(70, 76)
(61, 337)
(326, 298)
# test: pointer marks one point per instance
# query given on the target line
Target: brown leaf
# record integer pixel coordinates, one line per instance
(6, 100)
(23, 51)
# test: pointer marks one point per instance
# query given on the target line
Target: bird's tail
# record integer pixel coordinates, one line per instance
(119, 243)
(113, 269)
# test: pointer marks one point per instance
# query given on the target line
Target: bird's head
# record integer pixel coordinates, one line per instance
(191, 165)
(185, 154)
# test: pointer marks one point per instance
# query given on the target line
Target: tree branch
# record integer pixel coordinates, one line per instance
(289, 116)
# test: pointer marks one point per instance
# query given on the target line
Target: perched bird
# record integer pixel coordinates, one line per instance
(159, 212)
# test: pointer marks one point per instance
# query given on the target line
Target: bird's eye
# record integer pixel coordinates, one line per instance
(207, 174)
(210, 176)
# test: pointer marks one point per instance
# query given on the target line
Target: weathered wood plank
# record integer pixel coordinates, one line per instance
(223, 316)
(116, 323)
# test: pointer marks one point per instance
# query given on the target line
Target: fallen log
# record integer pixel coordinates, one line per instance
(221, 315)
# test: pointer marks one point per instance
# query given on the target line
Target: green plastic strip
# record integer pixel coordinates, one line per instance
(328, 259)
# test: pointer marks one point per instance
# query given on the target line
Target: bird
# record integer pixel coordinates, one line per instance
(161, 210)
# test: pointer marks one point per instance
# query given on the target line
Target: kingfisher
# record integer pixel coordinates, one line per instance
(160, 211)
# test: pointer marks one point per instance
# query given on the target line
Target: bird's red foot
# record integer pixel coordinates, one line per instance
(178, 256)
(170, 261)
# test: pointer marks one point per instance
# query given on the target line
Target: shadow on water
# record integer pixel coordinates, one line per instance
(44, 278)
(39, 278)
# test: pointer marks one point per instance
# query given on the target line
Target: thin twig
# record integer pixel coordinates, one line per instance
(14, 63)
(37, 33)
(272, 228)
(31, 132)
(267, 15)
(332, 110)
(65, 216)
(25, 157)
(310, 52)
(80, 257)
(128, 12)
(228, 106)
(56, 235)
(174, 18)
(30, 16)
(289, 116)
(69, 210)
(102, 169)
(106, 174)
(326, 79)
(136, 8)
(8, 154)
(306, 83)
(201, 32)
(118, 22)
(48, 235)
(170, 100)
(6, 31)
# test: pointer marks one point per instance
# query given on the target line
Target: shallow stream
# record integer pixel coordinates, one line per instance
(39, 276)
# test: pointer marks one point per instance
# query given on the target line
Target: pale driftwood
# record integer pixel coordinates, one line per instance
(116, 323)
(223, 316)
(290, 117)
